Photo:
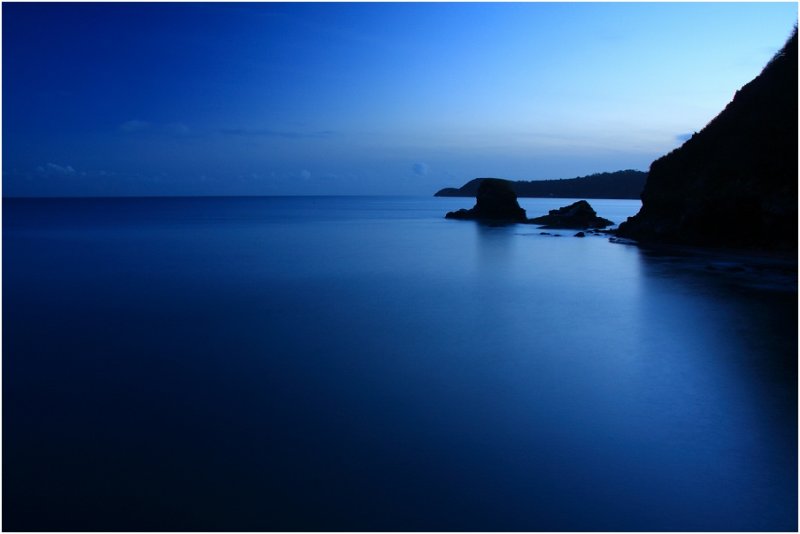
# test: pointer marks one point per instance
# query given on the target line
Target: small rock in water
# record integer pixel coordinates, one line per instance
(580, 234)
(579, 215)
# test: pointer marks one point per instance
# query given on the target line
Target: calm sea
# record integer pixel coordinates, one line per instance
(364, 364)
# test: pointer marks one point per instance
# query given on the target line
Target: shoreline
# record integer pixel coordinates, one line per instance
(763, 269)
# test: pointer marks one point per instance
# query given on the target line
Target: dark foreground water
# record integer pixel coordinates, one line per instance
(365, 364)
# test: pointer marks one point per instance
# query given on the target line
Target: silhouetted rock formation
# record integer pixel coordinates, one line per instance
(579, 215)
(734, 184)
(620, 184)
(496, 201)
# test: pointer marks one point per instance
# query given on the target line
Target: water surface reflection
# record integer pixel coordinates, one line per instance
(365, 364)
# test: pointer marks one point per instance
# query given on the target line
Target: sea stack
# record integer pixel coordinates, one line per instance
(496, 202)
(733, 184)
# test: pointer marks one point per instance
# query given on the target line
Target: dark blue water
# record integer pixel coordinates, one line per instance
(365, 364)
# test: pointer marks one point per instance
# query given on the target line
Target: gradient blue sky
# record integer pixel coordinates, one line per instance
(152, 98)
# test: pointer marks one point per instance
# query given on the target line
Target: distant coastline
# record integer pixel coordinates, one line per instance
(620, 184)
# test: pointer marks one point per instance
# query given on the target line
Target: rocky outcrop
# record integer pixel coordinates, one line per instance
(496, 201)
(733, 184)
(579, 215)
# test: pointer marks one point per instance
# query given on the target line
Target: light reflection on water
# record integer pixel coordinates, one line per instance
(365, 364)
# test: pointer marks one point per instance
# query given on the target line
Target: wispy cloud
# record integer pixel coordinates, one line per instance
(420, 169)
(286, 134)
(134, 125)
(54, 169)
(177, 129)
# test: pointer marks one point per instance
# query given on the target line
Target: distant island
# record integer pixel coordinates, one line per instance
(620, 184)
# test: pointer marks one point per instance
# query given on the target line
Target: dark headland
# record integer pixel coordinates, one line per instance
(734, 183)
(620, 184)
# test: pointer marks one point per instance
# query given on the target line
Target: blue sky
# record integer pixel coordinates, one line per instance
(268, 98)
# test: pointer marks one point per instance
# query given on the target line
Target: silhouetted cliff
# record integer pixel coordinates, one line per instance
(735, 182)
(620, 184)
